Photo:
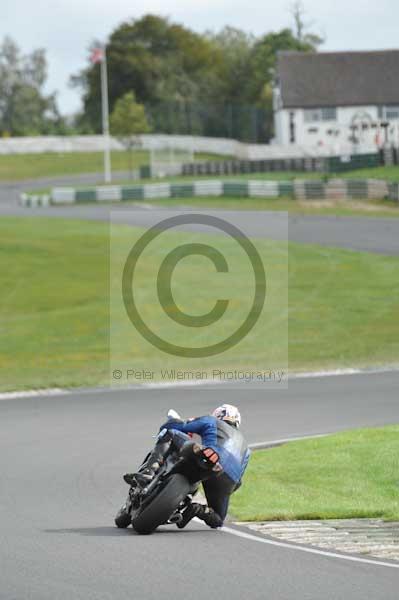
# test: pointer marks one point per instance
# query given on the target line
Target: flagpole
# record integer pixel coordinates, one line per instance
(105, 117)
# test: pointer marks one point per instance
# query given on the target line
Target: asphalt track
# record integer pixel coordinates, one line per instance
(61, 460)
(369, 234)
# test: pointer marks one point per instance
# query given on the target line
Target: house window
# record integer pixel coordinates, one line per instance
(314, 115)
(329, 114)
(388, 113)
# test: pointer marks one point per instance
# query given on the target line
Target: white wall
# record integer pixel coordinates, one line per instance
(94, 143)
(321, 141)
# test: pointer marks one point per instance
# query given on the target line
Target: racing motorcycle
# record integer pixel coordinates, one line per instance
(165, 498)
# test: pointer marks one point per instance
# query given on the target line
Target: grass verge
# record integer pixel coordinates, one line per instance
(17, 167)
(387, 173)
(54, 319)
(390, 173)
(344, 208)
(347, 475)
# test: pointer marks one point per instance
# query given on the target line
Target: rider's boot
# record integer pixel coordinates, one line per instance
(203, 512)
(146, 474)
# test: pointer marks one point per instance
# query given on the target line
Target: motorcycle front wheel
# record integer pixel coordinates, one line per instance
(122, 519)
(163, 505)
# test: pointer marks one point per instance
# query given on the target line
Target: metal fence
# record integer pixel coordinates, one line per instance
(246, 123)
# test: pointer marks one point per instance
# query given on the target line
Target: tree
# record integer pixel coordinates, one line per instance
(217, 84)
(128, 120)
(302, 35)
(158, 60)
(264, 58)
(24, 108)
(235, 47)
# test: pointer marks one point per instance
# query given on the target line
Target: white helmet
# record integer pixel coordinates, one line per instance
(229, 413)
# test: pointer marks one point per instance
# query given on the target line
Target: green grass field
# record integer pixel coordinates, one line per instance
(272, 176)
(344, 208)
(347, 475)
(54, 278)
(196, 284)
(387, 173)
(17, 167)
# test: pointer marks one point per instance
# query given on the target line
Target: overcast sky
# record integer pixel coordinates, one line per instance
(65, 28)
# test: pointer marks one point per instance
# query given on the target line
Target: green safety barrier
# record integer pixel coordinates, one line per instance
(311, 189)
(338, 164)
(235, 189)
(285, 188)
(85, 196)
(133, 192)
(182, 191)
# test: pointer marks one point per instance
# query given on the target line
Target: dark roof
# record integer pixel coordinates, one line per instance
(338, 78)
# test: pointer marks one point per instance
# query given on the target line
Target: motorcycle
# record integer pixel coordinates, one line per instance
(172, 489)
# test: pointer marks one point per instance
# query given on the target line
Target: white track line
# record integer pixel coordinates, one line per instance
(261, 540)
(236, 532)
(185, 384)
(340, 372)
(104, 390)
(33, 393)
(271, 443)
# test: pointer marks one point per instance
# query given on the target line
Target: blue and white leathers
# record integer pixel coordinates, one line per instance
(228, 442)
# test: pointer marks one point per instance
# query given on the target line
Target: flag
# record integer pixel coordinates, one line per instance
(97, 55)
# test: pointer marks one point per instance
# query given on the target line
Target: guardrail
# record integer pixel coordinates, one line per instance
(350, 189)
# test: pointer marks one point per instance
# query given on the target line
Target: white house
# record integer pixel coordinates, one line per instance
(337, 101)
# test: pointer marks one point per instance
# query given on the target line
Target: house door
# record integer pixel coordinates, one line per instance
(292, 128)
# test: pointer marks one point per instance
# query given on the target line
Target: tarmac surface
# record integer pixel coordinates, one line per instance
(369, 234)
(61, 460)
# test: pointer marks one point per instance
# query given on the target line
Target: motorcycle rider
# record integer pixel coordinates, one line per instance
(219, 431)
